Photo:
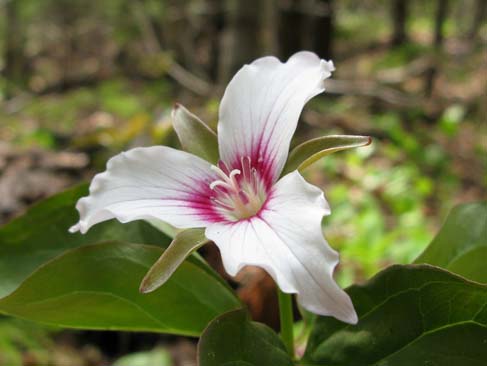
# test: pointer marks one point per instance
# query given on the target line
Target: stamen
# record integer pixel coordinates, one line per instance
(220, 172)
(220, 183)
(223, 166)
(237, 197)
(244, 197)
(254, 180)
(246, 167)
(233, 173)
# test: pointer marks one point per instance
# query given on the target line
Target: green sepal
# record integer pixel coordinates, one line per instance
(184, 243)
(310, 151)
(195, 135)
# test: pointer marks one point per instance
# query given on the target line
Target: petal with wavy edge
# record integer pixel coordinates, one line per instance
(286, 239)
(150, 183)
(260, 109)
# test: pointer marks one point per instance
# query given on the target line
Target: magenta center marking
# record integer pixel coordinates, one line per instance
(240, 193)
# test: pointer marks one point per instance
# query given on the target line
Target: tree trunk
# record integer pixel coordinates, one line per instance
(240, 37)
(432, 72)
(440, 17)
(269, 32)
(399, 21)
(291, 25)
(15, 65)
(306, 24)
(479, 17)
(324, 29)
(215, 26)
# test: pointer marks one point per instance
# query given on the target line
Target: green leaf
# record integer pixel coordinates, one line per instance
(195, 136)
(42, 233)
(310, 151)
(96, 287)
(182, 246)
(408, 315)
(461, 244)
(233, 340)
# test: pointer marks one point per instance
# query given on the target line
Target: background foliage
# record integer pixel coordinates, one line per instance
(82, 80)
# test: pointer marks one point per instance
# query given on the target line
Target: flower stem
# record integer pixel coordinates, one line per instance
(286, 319)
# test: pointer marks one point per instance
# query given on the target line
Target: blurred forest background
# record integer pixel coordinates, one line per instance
(81, 80)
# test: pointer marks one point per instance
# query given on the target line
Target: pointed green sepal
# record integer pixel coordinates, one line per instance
(310, 151)
(195, 135)
(180, 248)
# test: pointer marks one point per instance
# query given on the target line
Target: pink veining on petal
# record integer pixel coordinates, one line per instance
(195, 193)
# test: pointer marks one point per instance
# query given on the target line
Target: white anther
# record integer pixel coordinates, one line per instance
(218, 171)
(220, 183)
(232, 179)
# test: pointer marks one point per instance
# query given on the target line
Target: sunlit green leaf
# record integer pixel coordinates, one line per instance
(156, 357)
(96, 287)
(181, 247)
(195, 136)
(233, 339)
(310, 151)
(461, 244)
(408, 315)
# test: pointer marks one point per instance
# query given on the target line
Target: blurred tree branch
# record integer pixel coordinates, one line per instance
(174, 70)
(370, 89)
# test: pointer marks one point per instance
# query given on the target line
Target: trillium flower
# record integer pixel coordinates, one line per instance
(253, 216)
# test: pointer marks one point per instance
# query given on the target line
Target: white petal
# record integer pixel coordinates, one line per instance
(150, 183)
(286, 240)
(261, 107)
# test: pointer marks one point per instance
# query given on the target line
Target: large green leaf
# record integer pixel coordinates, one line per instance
(42, 233)
(408, 315)
(233, 340)
(96, 287)
(155, 357)
(461, 244)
